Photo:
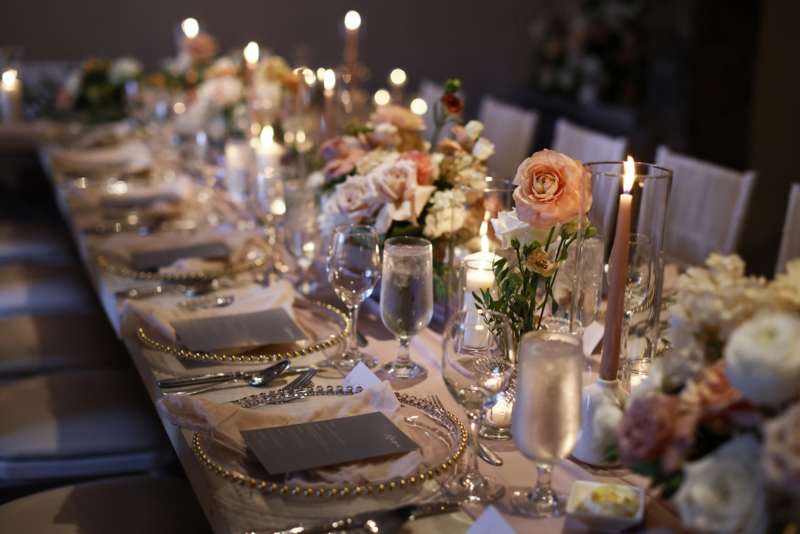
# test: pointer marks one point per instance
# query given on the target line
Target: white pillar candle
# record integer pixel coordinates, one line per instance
(10, 97)
(268, 153)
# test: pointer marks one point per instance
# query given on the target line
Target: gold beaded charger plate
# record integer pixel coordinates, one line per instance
(325, 325)
(441, 436)
(258, 253)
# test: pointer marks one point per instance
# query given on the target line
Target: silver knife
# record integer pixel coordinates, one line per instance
(219, 377)
(377, 518)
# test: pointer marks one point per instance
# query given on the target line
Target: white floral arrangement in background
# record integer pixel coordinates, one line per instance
(716, 425)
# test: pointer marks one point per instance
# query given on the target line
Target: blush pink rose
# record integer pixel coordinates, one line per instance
(353, 201)
(427, 168)
(342, 154)
(549, 189)
(646, 428)
(403, 118)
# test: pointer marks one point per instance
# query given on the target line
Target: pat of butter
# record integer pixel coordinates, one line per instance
(610, 500)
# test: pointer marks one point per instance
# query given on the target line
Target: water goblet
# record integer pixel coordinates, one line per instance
(478, 365)
(354, 265)
(406, 298)
(547, 412)
(301, 231)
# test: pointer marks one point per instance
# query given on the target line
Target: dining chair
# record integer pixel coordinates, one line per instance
(706, 208)
(30, 242)
(129, 505)
(586, 146)
(431, 92)
(511, 129)
(31, 288)
(790, 239)
(57, 342)
(78, 424)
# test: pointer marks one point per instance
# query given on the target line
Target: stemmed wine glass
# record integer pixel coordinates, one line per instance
(478, 364)
(301, 231)
(354, 267)
(406, 297)
(637, 283)
(547, 412)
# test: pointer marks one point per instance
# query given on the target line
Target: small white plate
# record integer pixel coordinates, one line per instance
(602, 521)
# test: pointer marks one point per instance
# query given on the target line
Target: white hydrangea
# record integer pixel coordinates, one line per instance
(374, 158)
(447, 213)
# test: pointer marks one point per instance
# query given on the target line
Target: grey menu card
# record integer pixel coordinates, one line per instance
(290, 448)
(152, 259)
(267, 327)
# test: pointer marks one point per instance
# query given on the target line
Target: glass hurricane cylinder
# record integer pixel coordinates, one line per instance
(472, 236)
(600, 195)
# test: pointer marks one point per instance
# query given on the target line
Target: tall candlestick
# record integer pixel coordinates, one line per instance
(10, 97)
(329, 83)
(617, 278)
(352, 22)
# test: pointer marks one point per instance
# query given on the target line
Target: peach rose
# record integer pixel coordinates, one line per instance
(342, 154)
(549, 189)
(450, 147)
(427, 168)
(403, 118)
(646, 427)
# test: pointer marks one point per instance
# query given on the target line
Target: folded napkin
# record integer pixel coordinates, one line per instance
(223, 423)
(133, 195)
(161, 315)
(124, 246)
(132, 156)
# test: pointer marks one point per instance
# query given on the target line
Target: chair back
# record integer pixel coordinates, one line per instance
(511, 129)
(706, 209)
(790, 240)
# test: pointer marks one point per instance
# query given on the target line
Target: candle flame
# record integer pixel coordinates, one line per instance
(190, 28)
(398, 76)
(330, 80)
(630, 175)
(267, 135)
(251, 53)
(485, 243)
(352, 21)
(9, 77)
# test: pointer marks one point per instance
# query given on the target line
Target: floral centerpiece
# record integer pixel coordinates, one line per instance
(96, 91)
(545, 219)
(716, 425)
(383, 173)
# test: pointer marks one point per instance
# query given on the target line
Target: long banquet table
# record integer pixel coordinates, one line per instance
(230, 508)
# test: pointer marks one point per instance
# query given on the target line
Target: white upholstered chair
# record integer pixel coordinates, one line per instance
(29, 288)
(511, 129)
(20, 242)
(706, 208)
(130, 505)
(78, 423)
(790, 240)
(587, 145)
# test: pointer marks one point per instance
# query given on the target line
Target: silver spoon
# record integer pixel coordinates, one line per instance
(188, 290)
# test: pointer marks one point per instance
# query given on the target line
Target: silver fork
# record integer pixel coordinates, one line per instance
(302, 381)
(485, 454)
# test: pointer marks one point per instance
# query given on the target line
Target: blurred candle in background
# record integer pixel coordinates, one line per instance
(268, 153)
(190, 27)
(10, 96)
(329, 83)
(397, 80)
(352, 23)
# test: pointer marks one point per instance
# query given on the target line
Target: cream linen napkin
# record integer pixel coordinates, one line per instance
(124, 246)
(132, 156)
(180, 190)
(249, 299)
(223, 423)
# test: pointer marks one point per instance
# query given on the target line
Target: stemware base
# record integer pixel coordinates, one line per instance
(404, 372)
(495, 433)
(480, 491)
(528, 503)
(348, 362)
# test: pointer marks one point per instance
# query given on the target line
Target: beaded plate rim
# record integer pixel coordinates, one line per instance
(126, 272)
(253, 358)
(397, 483)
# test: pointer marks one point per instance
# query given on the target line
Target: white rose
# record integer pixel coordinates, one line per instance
(781, 460)
(473, 129)
(395, 184)
(507, 226)
(483, 149)
(607, 417)
(763, 358)
(723, 492)
(387, 135)
(375, 158)
(123, 69)
(351, 203)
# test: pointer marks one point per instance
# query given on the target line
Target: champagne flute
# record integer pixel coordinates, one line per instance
(354, 267)
(547, 412)
(406, 297)
(478, 364)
